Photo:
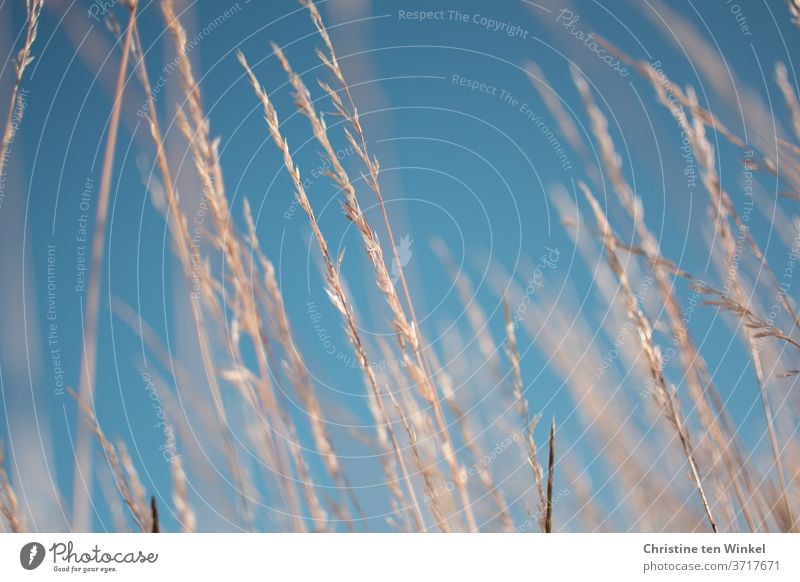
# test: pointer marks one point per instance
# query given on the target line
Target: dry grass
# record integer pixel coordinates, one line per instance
(528, 423)
(551, 461)
(83, 467)
(9, 508)
(431, 431)
(125, 475)
(24, 58)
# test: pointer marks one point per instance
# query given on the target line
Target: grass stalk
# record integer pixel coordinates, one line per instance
(548, 521)
(83, 467)
(334, 287)
(24, 58)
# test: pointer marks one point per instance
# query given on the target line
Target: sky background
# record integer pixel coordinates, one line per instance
(467, 170)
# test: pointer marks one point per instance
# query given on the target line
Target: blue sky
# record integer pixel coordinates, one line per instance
(451, 111)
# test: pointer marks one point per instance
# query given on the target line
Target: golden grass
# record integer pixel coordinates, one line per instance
(425, 438)
(9, 507)
(83, 465)
(24, 58)
(528, 423)
(251, 297)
